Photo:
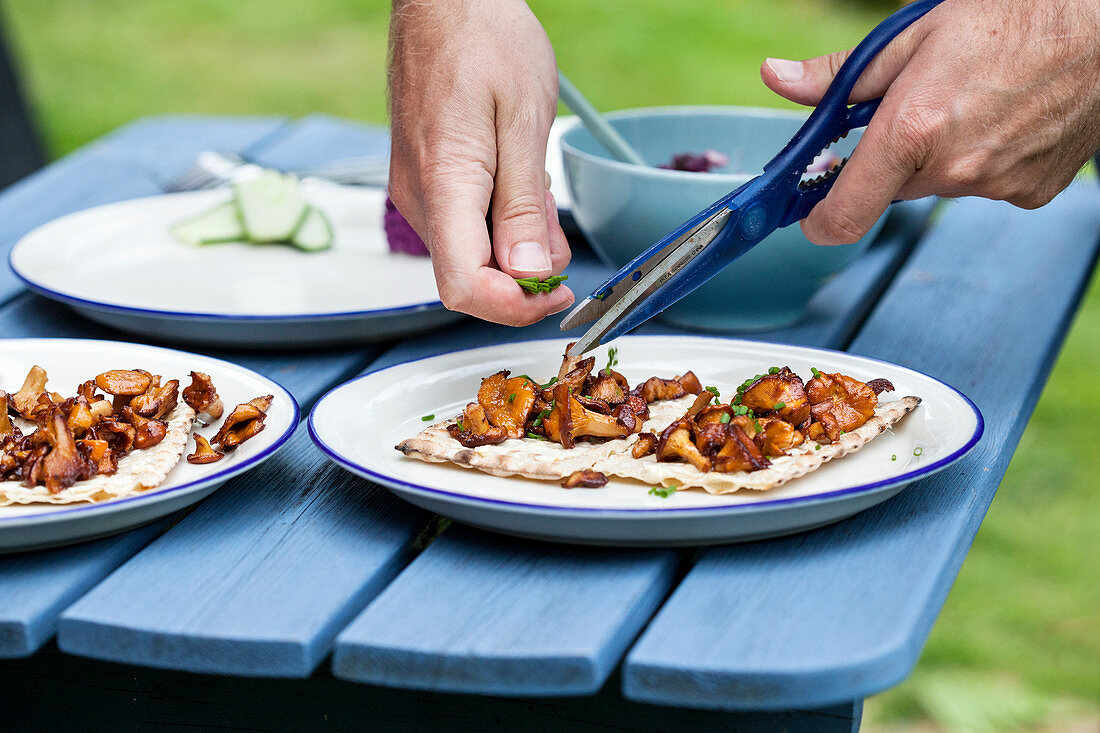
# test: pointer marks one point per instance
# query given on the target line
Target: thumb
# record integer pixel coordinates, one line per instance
(805, 82)
(521, 240)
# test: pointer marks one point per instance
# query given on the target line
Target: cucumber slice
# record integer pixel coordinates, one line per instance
(271, 206)
(314, 233)
(220, 224)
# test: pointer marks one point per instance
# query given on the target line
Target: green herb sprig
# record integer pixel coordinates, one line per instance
(535, 286)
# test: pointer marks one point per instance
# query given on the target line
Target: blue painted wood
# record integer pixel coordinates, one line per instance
(258, 580)
(477, 613)
(534, 619)
(843, 612)
(133, 161)
(35, 587)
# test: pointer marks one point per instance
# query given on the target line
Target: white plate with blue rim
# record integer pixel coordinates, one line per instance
(69, 363)
(120, 265)
(358, 424)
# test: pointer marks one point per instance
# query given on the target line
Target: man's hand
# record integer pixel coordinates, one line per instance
(474, 90)
(992, 98)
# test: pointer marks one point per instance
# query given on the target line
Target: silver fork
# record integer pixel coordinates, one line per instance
(211, 170)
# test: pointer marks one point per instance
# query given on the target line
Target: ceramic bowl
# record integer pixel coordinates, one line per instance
(622, 209)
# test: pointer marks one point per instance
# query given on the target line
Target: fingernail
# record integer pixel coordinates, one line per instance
(528, 257)
(785, 69)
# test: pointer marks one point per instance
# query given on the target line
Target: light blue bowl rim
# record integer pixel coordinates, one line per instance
(731, 179)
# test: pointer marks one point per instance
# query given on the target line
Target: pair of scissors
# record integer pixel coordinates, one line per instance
(700, 247)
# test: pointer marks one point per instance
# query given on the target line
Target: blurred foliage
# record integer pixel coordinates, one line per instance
(1021, 626)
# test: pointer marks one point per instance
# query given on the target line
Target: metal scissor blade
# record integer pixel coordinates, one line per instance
(608, 324)
(608, 294)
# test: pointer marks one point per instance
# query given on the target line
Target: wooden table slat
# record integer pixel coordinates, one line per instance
(478, 613)
(842, 612)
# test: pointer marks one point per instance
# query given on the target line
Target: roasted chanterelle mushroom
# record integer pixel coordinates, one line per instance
(53, 442)
(594, 424)
(578, 404)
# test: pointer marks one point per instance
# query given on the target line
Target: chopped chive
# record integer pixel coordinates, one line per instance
(612, 359)
(536, 436)
(756, 425)
(717, 395)
(779, 406)
(773, 370)
(725, 418)
(551, 383)
(663, 491)
(544, 414)
(426, 418)
(815, 372)
(512, 397)
(894, 457)
(817, 447)
(461, 427)
(534, 286)
(918, 450)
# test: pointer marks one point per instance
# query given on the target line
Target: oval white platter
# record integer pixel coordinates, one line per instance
(359, 423)
(70, 362)
(134, 275)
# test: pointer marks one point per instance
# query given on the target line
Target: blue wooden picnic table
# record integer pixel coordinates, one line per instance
(301, 596)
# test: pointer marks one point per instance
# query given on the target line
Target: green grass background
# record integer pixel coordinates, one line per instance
(1018, 642)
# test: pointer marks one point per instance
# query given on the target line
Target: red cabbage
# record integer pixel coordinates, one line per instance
(400, 234)
(703, 162)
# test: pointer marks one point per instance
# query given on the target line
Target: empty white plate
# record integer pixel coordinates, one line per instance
(69, 363)
(359, 423)
(119, 264)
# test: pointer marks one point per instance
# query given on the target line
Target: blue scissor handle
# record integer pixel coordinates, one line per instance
(773, 199)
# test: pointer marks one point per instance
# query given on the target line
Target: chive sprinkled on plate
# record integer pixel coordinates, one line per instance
(426, 418)
(612, 359)
(918, 450)
(663, 491)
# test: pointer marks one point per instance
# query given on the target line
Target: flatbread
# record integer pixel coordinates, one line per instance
(546, 460)
(138, 471)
